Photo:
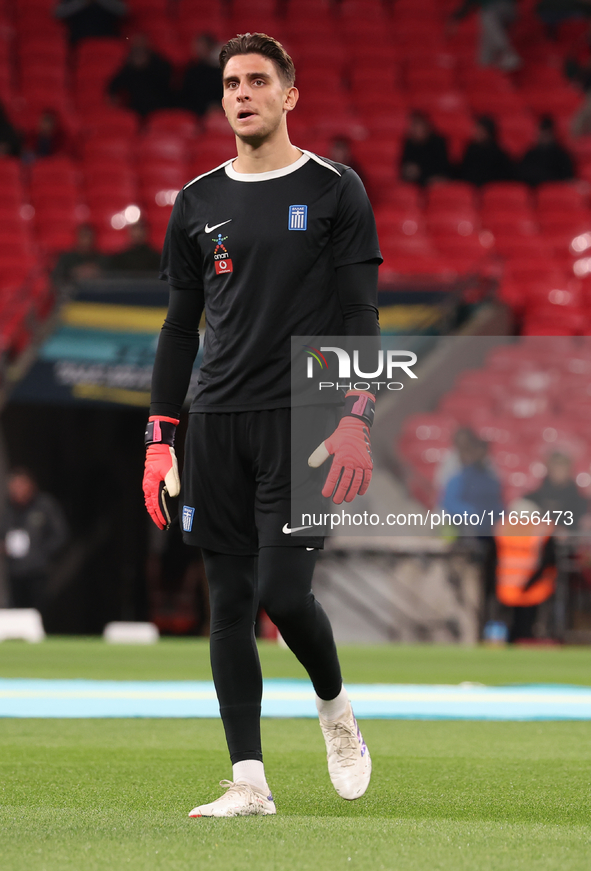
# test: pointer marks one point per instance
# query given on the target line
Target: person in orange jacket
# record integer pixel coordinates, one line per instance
(526, 567)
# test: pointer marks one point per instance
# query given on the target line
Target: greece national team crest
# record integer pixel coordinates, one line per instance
(188, 518)
(298, 218)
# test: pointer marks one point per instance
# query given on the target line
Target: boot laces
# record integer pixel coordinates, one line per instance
(343, 742)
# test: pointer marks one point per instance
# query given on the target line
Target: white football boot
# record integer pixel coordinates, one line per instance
(239, 800)
(349, 762)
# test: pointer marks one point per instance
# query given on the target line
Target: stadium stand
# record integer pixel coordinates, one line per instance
(524, 402)
(362, 66)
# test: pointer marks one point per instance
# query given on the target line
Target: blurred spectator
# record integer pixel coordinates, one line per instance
(143, 82)
(484, 160)
(559, 492)
(340, 151)
(202, 81)
(424, 153)
(139, 257)
(475, 489)
(495, 17)
(83, 262)
(48, 139)
(451, 464)
(32, 531)
(526, 569)
(90, 18)
(554, 12)
(580, 73)
(10, 138)
(548, 160)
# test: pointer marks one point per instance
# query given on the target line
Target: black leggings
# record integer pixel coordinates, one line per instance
(280, 580)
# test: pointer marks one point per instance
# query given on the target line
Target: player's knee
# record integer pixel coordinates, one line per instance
(283, 609)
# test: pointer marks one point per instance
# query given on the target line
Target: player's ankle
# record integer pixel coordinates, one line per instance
(332, 709)
(250, 771)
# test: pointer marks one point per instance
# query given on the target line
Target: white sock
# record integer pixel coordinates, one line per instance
(333, 708)
(250, 771)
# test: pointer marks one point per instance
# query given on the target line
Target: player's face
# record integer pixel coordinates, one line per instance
(256, 98)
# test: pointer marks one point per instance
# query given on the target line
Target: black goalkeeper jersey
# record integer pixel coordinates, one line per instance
(261, 250)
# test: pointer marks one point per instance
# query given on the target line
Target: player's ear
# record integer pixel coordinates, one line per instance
(291, 98)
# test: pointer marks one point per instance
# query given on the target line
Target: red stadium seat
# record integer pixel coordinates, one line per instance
(158, 171)
(41, 50)
(37, 74)
(311, 76)
(562, 196)
(508, 195)
(55, 238)
(463, 250)
(567, 324)
(104, 146)
(397, 263)
(15, 268)
(429, 78)
(318, 55)
(177, 122)
(45, 198)
(378, 161)
(555, 101)
(505, 222)
(490, 79)
(250, 22)
(157, 220)
(60, 183)
(498, 103)
(52, 216)
(110, 121)
(412, 32)
(166, 146)
(451, 195)
(437, 101)
(160, 182)
(364, 77)
(403, 195)
(367, 102)
(257, 7)
(106, 50)
(537, 269)
(209, 152)
(10, 172)
(461, 407)
(392, 222)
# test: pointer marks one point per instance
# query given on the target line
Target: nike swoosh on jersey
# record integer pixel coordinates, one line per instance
(287, 531)
(209, 229)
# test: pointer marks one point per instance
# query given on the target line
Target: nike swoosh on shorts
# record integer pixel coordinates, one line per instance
(287, 531)
(209, 229)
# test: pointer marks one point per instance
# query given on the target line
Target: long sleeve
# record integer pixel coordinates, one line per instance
(357, 288)
(177, 348)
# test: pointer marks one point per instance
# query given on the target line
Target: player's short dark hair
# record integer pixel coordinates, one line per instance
(260, 43)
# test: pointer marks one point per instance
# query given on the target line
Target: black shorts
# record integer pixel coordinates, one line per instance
(236, 487)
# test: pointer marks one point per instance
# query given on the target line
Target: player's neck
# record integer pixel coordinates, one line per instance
(271, 154)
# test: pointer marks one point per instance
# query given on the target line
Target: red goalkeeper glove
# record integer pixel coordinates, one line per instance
(161, 473)
(350, 446)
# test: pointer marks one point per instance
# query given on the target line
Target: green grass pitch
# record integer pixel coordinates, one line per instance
(114, 794)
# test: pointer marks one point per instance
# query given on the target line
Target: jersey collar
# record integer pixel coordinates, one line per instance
(266, 176)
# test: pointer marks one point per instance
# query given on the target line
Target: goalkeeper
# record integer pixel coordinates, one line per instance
(274, 243)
